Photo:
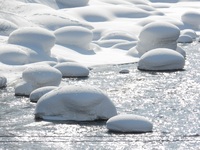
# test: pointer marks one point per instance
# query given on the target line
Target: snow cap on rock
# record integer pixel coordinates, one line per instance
(157, 35)
(74, 36)
(38, 39)
(42, 76)
(11, 55)
(72, 69)
(36, 94)
(37, 76)
(191, 18)
(129, 123)
(161, 59)
(75, 102)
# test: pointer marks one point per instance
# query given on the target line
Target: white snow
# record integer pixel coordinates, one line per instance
(185, 39)
(36, 94)
(75, 36)
(72, 69)
(37, 76)
(75, 102)
(129, 123)
(157, 35)
(13, 55)
(91, 33)
(189, 32)
(161, 59)
(6, 27)
(38, 39)
(192, 18)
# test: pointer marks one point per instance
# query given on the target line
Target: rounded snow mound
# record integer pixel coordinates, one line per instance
(12, 55)
(185, 39)
(181, 51)
(42, 76)
(6, 27)
(129, 123)
(157, 35)
(3, 81)
(36, 94)
(161, 59)
(37, 76)
(73, 3)
(72, 69)
(189, 32)
(74, 36)
(75, 102)
(191, 18)
(38, 39)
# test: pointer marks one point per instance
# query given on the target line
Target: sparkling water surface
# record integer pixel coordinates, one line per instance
(171, 100)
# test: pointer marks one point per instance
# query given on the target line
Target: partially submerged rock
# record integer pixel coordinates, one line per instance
(161, 59)
(75, 102)
(128, 123)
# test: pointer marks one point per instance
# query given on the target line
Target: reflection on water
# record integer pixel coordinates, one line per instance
(169, 99)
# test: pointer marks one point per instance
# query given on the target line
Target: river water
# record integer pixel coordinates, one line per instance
(171, 100)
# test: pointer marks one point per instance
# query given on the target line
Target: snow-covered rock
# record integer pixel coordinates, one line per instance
(161, 59)
(181, 51)
(75, 36)
(6, 27)
(73, 3)
(37, 76)
(3, 81)
(24, 88)
(42, 76)
(75, 102)
(157, 35)
(191, 18)
(129, 123)
(38, 39)
(72, 69)
(11, 55)
(36, 94)
(185, 39)
(189, 32)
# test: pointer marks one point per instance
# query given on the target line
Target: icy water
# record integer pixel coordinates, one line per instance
(171, 100)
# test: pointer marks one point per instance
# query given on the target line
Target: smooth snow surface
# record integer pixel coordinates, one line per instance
(75, 102)
(129, 123)
(75, 35)
(192, 18)
(161, 59)
(185, 39)
(189, 32)
(72, 69)
(37, 76)
(38, 39)
(36, 94)
(157, 35)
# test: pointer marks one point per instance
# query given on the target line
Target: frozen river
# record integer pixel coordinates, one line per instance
(171, 100)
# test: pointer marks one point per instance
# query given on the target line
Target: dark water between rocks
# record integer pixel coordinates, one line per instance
(171, 100)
